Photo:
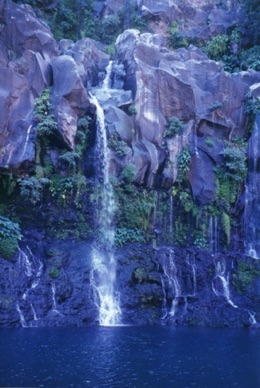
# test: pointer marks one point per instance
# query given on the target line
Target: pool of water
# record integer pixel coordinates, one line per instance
(129, 357)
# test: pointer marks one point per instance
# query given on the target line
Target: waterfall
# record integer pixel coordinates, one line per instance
(26, 142)
(170, 271)
(54, 302)
(191, 262)
(107, 80)
(35, 318)
(103, 274)
(22, 319)
(24, 262)
(222, 276)
(214, 234)
(171, 219)
(252, 319)
(32, 268)
(252, 195)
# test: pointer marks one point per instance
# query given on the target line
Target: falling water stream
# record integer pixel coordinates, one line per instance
(103, 274)
(252, 196)
(222, 277)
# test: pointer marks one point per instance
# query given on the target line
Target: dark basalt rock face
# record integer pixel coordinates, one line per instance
(52, 287)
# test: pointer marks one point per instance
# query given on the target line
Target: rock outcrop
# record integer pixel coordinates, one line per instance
(183, 83)
(27, 46)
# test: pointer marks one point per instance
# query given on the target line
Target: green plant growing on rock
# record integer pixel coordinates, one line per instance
(128, 173)
(119, 146)
(250, 59)
(226, 225)
(139, 275)
(62, 189)
(174, 127)
(54, 273)
(10, 235)
(215, 105)
(217, 47)
(201, 243)
(234, 162)
(176, 38)
(31, 189)
(132, 110)
(70, 159)
(183, 162)
(244, 276)
(252, 109)
(126, 235)
(209, 142)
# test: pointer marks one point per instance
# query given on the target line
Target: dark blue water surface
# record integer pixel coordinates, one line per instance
(129, 357)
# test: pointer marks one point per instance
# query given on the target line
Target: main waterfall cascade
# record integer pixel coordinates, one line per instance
(103, 273)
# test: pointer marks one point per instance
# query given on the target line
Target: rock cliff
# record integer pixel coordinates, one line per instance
(183, 147)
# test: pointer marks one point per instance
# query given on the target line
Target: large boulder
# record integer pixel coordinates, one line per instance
(69, 96)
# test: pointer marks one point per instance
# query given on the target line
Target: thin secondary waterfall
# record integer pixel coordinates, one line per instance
(252, 195)
(214, 234)
(103, 276)
(54, 302)
(220, 284)
(170, 270)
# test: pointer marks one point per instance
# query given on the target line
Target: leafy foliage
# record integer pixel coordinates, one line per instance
(176, 38)
(244, 276)
(70, 159)
(174, 127)
(119, 146)
(10, 236)
(234, 162)
(126, 235)
(217, 47)
(252, 19)
(132, 110)
(31, 189)
(183, 162)
(250, 59)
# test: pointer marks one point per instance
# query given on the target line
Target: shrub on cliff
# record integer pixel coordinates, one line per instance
(10, 236)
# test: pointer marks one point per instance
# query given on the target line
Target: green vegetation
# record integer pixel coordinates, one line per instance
(176, 38)
(244, 276)
(174, 127)
(251, 110)
(252, 19)
(217, 47)
(10, 236)
(215, 105)
(77, 19)
(54, 273)
(126, 235)
(183, 162)
(31, 189)
(132, 110)
(119, 146)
